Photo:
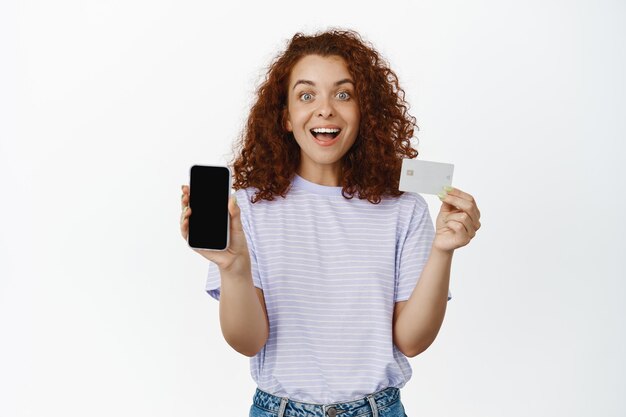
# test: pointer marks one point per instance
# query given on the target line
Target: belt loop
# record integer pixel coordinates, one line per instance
(283, 405)
(370, 398)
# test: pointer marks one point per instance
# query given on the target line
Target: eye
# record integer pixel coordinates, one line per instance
(343, 95)
(306, 96)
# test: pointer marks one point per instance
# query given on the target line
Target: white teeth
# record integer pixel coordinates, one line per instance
(325, 130)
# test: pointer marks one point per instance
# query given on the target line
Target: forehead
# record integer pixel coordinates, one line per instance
(320, 69)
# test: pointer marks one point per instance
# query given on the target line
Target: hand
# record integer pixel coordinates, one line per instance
(236, 255)
(458, 220)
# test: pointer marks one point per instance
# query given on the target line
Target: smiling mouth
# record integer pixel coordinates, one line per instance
(325, 134)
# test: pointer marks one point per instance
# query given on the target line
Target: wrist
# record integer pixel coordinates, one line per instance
(239, 268)
(442, 253)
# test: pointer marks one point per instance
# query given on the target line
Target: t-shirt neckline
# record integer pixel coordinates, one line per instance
(299, 182)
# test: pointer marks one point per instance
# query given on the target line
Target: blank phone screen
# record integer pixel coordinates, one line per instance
(209, 190)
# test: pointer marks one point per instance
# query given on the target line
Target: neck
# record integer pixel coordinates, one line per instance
(329, 175)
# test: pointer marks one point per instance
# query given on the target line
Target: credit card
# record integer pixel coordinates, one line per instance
(426, 177)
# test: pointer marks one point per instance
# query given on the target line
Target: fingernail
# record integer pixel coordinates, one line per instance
(442, 195)
(447, 188)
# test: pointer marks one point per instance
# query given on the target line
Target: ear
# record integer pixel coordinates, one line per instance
(286, 121)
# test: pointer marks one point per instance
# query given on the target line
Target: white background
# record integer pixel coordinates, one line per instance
(106, 104)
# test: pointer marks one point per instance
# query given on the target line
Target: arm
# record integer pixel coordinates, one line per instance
(243, 315)
(417, 321)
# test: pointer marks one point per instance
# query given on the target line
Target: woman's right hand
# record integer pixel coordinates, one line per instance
(236, 255)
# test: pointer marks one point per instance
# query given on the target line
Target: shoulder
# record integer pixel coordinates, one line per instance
(245, 197)
(409, 203)
(413, 199)
(245, 193)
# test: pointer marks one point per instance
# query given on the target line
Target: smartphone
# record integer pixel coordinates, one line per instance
(209, 223)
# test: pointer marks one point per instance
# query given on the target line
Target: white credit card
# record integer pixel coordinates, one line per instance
(425, 177)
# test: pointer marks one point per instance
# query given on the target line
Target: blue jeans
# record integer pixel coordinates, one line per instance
(385, 403)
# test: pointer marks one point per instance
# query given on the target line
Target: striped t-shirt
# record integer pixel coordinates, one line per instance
(331, 270)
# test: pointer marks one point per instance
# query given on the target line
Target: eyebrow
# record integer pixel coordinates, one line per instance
(308, 82)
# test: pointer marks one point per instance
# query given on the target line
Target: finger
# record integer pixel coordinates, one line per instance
(461, 232)
(185, 191)
(465, 196)
(185, 214)
(184, 224)
(462, 204)
(461, 194)
(235, 214)
(184, 228)
(463, 219)
(184, 198)
(456, 226)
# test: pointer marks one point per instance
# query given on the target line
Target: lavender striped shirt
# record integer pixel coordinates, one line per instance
(331, 270)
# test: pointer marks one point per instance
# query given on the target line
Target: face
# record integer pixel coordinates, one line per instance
(323, 113)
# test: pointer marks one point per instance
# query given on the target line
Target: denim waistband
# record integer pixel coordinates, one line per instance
(284, 407)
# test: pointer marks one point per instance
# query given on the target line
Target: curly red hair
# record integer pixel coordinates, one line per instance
(266, 154)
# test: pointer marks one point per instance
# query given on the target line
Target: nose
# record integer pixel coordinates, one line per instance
(325, 108)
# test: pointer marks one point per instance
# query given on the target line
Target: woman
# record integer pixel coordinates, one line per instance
(327, 293)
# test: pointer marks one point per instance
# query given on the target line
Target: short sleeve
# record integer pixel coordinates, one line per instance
(213, 282)
(413, 250)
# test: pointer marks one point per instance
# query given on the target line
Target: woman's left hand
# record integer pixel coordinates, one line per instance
(458, 220)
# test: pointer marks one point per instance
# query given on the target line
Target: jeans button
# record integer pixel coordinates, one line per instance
(332, 412)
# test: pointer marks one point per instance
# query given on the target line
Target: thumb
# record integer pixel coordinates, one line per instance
(235, 214)
(446, 208)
